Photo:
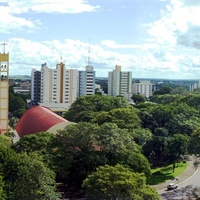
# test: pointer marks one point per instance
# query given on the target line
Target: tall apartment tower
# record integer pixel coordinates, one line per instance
(4, 90)
(86, 82)
(119, 82)
(36, 85)
(58, 86)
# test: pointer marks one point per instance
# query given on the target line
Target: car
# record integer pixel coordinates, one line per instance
(172, 186)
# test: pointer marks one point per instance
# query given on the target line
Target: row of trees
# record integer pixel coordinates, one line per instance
(40, 160)
(163, 131)
(110, 135)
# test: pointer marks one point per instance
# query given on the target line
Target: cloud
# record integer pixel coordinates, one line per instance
(12, 18)
(27, 54)
(179, 20)
(10, 23)
(113, 45)
(50, 6)
(171, 49)
(190, 38)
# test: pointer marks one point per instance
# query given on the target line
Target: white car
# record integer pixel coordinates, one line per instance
(172, 186)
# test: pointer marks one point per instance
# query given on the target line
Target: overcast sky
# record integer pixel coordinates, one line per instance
(151, 38)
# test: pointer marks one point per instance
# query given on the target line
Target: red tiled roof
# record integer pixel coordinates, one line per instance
(37, 119)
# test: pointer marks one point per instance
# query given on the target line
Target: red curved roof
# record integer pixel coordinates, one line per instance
(37, 119)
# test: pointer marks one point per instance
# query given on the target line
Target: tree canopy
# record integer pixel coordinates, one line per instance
(86, 146)
(138, 98)
(123, 117)
(163, 90)
(118, 182)
(25, 176)
(86, 107)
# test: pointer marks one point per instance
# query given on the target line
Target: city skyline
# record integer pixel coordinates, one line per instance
(150, 38)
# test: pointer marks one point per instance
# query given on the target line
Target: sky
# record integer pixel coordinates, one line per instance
(150, 38)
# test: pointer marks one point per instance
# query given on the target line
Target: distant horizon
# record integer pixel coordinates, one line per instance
(97, 77)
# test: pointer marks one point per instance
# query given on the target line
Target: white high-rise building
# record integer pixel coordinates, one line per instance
(142, 87)
(86, 82)
(59, 87)
(119, 82)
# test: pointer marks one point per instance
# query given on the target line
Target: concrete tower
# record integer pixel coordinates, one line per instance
(119, 82)
(4, 90)
(87, 79)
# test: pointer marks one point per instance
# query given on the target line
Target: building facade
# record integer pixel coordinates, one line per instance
(194, 86)
(55, 88)
(4, 91)
(36, 85)
(142, 87)
(119, 82)
(86, 82)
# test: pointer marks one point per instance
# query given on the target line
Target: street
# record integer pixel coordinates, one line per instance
(184, 190)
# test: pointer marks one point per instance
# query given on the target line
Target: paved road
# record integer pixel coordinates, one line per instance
(187, 181)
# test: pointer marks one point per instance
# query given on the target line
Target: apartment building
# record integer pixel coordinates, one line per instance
(86, 82)
(143, 87)
(194, 86)
(119, 82)
(55, 88)
(36, 84)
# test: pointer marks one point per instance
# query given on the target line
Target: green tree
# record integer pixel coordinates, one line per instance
(156, 150)
(165, 98)
(5, 141)
(138, 98)
(177, 146)
(44, 144)
(142, 136)
(118, 146)
(196, 91)
(26, 177)
(86, 107)
(194, 143)
(180, 91)
(13, 122)
(163, 90)
(76, 154)
(16, 103)
(118, 182)
(19, 112)
(156, 116)
(85, 146)
(184, 120)
(176, 118)
(123, 117)
(192, 100)
(2, 192)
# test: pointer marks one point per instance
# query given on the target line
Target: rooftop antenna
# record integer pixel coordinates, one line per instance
(4, 46)
(89, 63)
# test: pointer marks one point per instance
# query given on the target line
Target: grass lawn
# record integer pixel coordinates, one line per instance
(160, 175)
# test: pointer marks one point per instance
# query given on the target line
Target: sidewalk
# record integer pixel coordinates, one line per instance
(189, 171)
